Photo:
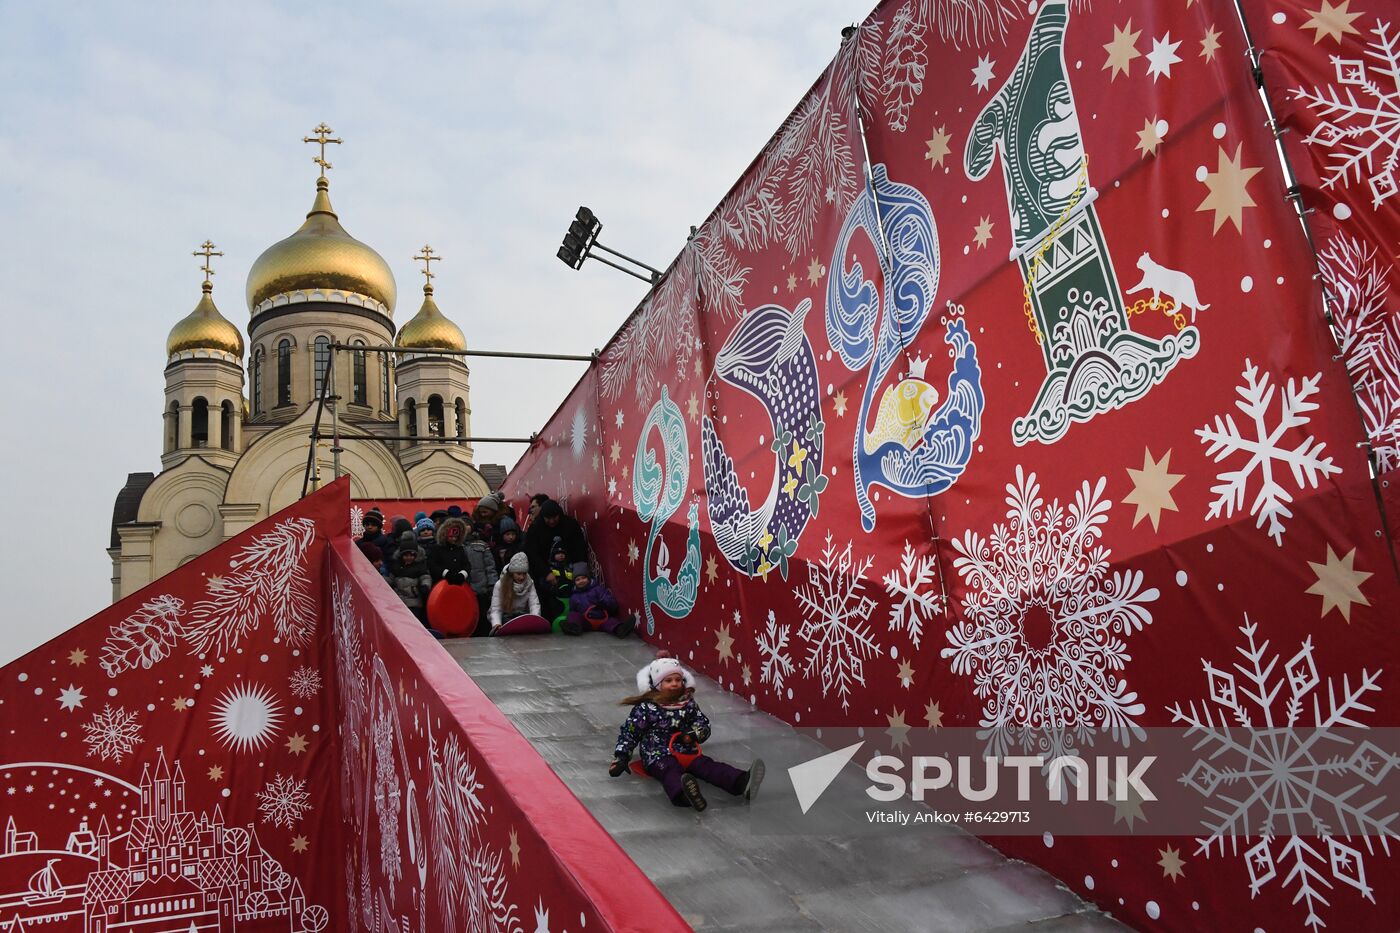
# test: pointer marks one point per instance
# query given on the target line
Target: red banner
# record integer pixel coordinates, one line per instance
(1005, 436)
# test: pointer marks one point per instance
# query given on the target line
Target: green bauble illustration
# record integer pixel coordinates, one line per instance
(1074, 308)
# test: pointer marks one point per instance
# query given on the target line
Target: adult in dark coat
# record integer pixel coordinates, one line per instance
(553, 523)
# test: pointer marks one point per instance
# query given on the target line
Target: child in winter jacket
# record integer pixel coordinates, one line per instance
(593, 606)
(558, 582)
(664, 710)
(411, 579)
(508, 541)
(514, 594)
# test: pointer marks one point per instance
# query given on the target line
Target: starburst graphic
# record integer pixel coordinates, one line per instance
(1162, 57)
(305, 682)
(1266, 450)
(773, 649)
(77, 657)
(982, 75)
(578, 433)
(112, 733)
(1122, 50)
(1229, 190)
(910, 587)
(300, 844)
(71, 698)
(283, 801)
(1044, 638)
(246, 717)
(836, 620)
(1286, 773)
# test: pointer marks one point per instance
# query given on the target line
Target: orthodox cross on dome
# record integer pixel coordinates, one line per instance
(427, 257)
(321, 135)
(207, 250)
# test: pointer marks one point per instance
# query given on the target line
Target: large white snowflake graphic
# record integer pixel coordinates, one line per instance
(908, 585)
(836, 620)
(1286, 771)
(773, 648)
(112, 733)
(1265, 449)
(283, 801)
(1045, 634)
(1357, 280)
(1361, 117)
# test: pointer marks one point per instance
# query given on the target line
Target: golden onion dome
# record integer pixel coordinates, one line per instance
(205, 329)
(430, 329)
(321, 255)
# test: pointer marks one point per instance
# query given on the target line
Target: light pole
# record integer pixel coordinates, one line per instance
(582, 239)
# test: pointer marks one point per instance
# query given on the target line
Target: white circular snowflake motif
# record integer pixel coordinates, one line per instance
(247, 717)
(1045, 627)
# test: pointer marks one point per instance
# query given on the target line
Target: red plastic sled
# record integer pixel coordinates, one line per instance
(685, 758)
(525, 625)
(453, 610)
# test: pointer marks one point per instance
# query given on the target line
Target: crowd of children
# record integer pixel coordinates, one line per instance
(541, 569)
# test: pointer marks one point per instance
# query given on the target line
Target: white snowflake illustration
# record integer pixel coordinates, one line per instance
(1361, 117)
(908, 585)
(112, 733)
(1265, 449)
(1286, 772)
(145, 637)
(305, 682)
(1369, 338)
(1045, 634)
(773, 647)
(357, 520)
(578, 433)
(388, 797)
(836, 620)
(283, 801)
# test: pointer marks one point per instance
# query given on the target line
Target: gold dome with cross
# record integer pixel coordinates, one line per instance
(205, 328)
(430, 329)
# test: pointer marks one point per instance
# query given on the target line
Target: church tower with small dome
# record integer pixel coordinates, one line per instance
(238, 417)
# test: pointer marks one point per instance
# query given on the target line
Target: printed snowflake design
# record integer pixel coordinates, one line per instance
(772, 647)
(1292, 780)
(388, 798)
(305, 682)
(1361, 117)
(836, 617)
(283, 801)
(914, 604)
(112, 733)
(1265, 449)
(145, 637)
(578, 433)
(1045, 634)
(1369, 338)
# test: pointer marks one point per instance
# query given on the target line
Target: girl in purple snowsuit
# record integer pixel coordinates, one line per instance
(666, 706)
(593, 606)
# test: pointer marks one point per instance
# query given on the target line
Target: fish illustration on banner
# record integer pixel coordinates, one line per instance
(659, 489)
(1094, 361)
(913, 449)
(770, 357)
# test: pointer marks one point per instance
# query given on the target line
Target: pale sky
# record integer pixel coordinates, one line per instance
(132, 132)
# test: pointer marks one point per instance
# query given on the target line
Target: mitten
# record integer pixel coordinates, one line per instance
(619, 765)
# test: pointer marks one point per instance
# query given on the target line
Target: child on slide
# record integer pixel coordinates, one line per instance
(514, 593)
(593, 607)
(665, 705)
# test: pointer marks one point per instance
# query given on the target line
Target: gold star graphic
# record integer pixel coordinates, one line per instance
(216, 773)
(1210, 44)
(906, 674)
(1339, 583)
(933, 715)
(1171, 862)
(632, 552)
(692, 406)
(514, 850)
(1332, 21)
(699, 367)
(748, 675)
(214, 584)
(1148, 140)
(792, 282)
(296, 743)
(179, 704)
(596, 461)
(838, 401)
(898, 730)
(77, 657)
(983, 232)
(1129, 809)
(1122, 50)
(814, 272)
(711, 569)
(724, 644)
(1229, 190)
(624, 472)
(614, 451)
(1152, 488)
(938, 148)
(299, 844)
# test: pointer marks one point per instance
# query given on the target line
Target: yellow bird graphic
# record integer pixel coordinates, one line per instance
(903, 411)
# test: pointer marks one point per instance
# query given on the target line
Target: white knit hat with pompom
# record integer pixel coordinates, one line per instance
(650, 677)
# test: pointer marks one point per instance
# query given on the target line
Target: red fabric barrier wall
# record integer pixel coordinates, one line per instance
(1041, 403)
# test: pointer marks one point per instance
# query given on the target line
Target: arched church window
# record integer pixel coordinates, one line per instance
(411, 409)
(436, 425)
(323, 362)
(257, 381)
(361, 394)
(284, 373)
(461, 418)
(226, 426)
(199, 423)
(384, 393)
(172, 427)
